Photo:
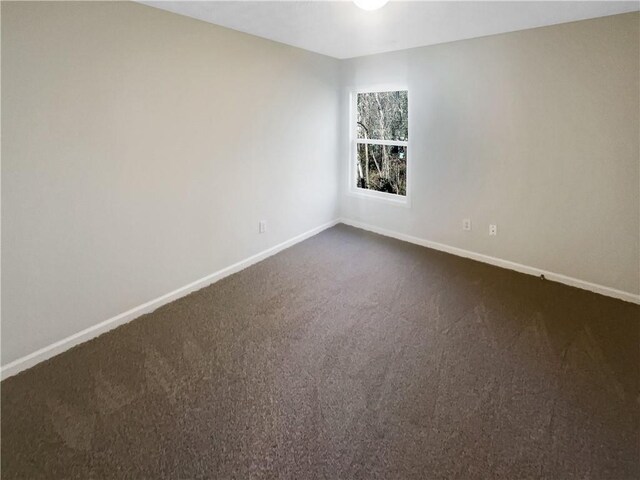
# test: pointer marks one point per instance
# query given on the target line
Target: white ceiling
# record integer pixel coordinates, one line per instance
(342, 30)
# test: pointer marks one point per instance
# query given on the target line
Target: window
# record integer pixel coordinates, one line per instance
(381, 134)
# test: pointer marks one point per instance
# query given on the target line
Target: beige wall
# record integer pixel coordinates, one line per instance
(141, 148)
(536, 131)
(139, 151)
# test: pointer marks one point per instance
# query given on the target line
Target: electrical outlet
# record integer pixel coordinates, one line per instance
(262, 226)
(466, 224)
(493, 229)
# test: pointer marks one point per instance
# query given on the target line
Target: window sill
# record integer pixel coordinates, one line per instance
(387, 198)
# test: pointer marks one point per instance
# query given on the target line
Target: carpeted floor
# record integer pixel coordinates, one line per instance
(348, 356)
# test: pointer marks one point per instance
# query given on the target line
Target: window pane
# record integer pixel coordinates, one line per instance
(382, 168)
(383, 115)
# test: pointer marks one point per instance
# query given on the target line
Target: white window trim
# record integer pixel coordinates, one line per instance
(352, 189)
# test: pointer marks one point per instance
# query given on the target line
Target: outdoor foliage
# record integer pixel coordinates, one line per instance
(382, 116)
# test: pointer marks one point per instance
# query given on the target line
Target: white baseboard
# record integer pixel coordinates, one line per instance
(556, 277)
(60, 346)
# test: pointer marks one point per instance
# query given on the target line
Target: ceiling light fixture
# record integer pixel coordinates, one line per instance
(370, 4)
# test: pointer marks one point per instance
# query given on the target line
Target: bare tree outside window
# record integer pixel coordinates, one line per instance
(382, 136)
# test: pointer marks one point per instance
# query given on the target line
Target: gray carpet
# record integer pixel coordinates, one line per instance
(347, 356)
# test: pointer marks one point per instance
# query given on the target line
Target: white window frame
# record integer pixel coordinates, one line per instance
(354, 141)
